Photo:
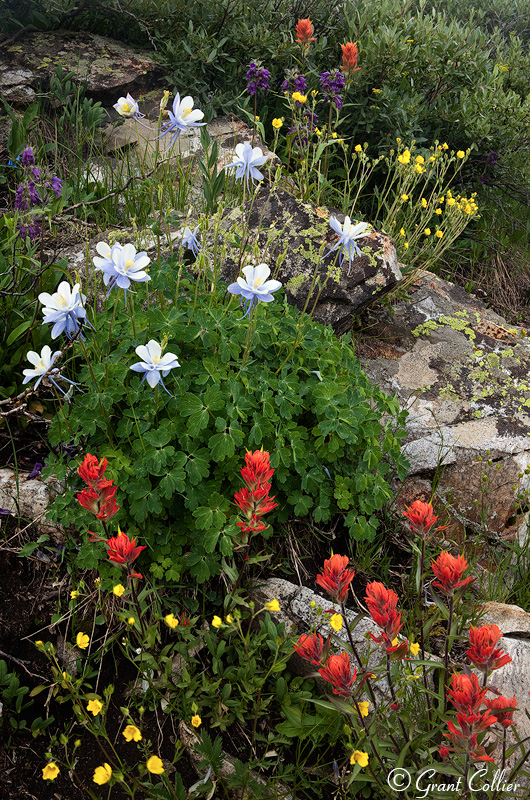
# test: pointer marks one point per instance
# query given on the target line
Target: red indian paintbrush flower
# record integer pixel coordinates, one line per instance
(258, 469)
(99, 499)
(338, 672)
(503, 708)
(463, 736)
(350, 54)
(304, 32)
(483, 652)
(449, 571)
(335, 579)
(92, 470)
(123, 551)
(421, 517)
(465, 693)
(382, 604)
(311, 647)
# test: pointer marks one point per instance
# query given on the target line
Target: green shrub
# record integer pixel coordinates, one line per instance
(176, 457)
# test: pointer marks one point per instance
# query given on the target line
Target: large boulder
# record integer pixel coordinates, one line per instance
(109, 68)
(293, 238)
(461, 371)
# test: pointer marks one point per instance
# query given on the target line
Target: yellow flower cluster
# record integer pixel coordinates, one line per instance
(300, 98)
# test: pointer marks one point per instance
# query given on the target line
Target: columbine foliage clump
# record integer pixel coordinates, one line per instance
(176, 455)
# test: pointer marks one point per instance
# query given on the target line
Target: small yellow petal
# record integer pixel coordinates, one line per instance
(272, 605)
(196, 721)
(336, 622)
(155, 765)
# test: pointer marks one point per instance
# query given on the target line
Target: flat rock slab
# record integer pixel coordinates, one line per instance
(109, 68)
(462, 373)
(294, 236)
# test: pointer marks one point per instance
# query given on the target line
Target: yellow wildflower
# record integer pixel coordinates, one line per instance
(406, 245)
(300, 98)
(419, 169)
(102, 774)
(439, 234)
(460, 154)
(414, 648)
(94, 706)
(358, 148)
(404, 197)
(404, 157)
(402, 232)
(277, 123)
(451, 201)
(50, 771)
(82, 640)
(229, 619)
(217, 622)
(363, 705)
(131, 620)
(420, 160)
(318, 132)
(376, 91)
(196, 721)
(359, 757)
(74, 594)
(424, 202)
(314, 93)
(445, 146)
(334, 135)
(171, 620)
(256, 118)
(336, 622)
(154, 765)
(427, 231)
(132, 733)
(438, 211)
(272, 605)
(395, 642)
(118, 590)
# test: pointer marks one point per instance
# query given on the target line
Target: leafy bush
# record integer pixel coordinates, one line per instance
(301, 395)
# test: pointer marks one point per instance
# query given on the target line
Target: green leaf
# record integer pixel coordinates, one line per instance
(18, 331)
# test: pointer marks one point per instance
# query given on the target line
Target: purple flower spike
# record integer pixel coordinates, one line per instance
(27, 158)
(257, 78)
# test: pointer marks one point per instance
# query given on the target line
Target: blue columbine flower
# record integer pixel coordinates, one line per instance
(190, 240)
(154, 365)
(65, 308)
(182, 117)
(121, 265)
(348, 234)
(256, 287)
(43, 366)
(248, 158)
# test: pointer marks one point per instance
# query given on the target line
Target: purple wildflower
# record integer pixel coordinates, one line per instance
(332, 84)
(57, 185)
(257, 77)
(21, 203)
(27, 157)
(6, 512)
(32, 231)
(36, 471)
(294, 82)
(33, 194)
(36, 172)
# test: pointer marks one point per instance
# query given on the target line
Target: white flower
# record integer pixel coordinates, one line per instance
(190, 240)
(348, 233)
(182, 117)
(154, 365)
(121, 265)
(64, 308)
(256, 287)
(248, 158)
(43, 365)
(127, 107)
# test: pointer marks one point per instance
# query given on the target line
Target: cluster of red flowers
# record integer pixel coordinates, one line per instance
(304, 32)
(350, 54)
(483, 651)
(421, 517)
(123, 551)
(98, 498)
(449, 570)
(467, 697)
(382, 604)
(254, 500)
(335, 578)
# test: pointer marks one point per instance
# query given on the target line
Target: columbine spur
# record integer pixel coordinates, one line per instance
(246, 161)
(190, 240)
(43, 365)
(121, 266)
(182, 117)
(154, 365)
(64, 308)
(255, 286)
(348, 234)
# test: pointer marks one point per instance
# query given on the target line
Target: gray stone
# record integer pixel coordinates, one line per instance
(295, 235)
(108, 68)
(461, 372)
(27, 497)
